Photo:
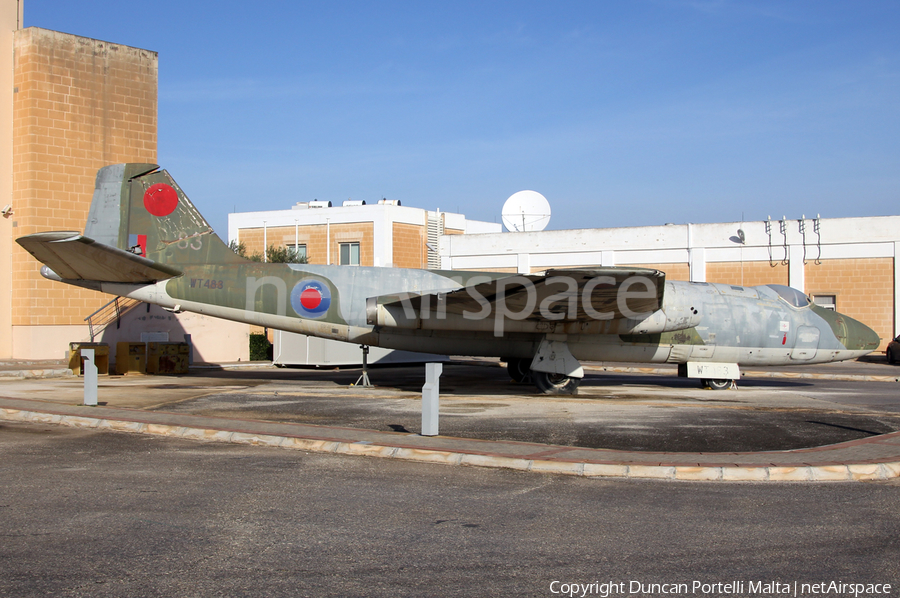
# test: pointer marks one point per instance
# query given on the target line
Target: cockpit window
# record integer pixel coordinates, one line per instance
(791, 295)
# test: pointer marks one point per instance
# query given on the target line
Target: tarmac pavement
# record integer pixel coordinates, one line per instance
(651, 424)
(86, 512)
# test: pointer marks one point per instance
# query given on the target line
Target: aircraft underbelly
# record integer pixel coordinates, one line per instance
(702, 352)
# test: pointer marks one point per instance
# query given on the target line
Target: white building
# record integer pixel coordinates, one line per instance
(849, 264)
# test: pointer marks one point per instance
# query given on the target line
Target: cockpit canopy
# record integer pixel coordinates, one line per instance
(791, 295)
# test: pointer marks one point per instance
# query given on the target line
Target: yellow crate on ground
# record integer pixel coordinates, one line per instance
(101, 357)
(131, 358)
(167, 358)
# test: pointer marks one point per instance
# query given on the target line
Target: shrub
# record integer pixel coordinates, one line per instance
(260, 348)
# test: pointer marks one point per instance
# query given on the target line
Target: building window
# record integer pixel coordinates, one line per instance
(349, 254)
(300, 249)
(826, 301)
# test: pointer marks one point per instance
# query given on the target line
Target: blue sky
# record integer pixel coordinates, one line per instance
(620, 113)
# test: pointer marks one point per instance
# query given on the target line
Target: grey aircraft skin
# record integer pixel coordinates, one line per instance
(146, 241)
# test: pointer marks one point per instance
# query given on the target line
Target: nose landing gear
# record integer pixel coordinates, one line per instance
(712, 375)
(717, 383)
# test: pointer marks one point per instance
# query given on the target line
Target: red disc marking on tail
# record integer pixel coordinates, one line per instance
(160, 199)
(310, 298)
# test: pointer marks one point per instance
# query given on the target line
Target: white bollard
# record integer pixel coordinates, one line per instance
(90, 376)
(431, 393)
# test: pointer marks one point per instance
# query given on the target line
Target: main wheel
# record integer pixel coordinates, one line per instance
(519, 369)
(716, 383)
(555, 384)
(891, 358)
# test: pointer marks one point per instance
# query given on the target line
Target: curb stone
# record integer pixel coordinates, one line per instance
(734, 473)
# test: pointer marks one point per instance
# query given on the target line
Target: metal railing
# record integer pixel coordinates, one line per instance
(109, 313)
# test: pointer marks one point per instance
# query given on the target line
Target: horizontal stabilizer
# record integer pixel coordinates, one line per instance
(75, 257)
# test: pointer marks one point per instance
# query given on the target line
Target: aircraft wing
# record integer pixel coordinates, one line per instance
(75, 257)
(567, 295)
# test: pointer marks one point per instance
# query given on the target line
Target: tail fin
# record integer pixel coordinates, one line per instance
(139, 206)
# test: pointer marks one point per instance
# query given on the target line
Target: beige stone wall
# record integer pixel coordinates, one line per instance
(10, 21)
(215, 340)
(409, 246)
(679, 271)
(864, 289)
(506, 270)
(78, 105)
(315, 238)
(747, 274)
(46, 342)
(672, 271)
(6, 288)
(253, 240)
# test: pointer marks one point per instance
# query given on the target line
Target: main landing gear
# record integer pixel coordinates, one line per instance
(519, 370)
(555, 384)
(549, 384)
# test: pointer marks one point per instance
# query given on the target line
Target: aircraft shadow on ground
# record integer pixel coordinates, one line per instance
(473, 379)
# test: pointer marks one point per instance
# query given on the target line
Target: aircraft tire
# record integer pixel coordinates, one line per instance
(555, 384)
(519, 370)
(716, 383)
(891, 358)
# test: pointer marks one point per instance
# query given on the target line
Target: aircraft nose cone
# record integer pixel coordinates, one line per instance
(853, 334)
(860, 337)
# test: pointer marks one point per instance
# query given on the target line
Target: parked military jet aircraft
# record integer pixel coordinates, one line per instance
(145, 240)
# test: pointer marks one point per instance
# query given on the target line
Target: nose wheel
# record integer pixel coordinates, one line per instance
(716, 383)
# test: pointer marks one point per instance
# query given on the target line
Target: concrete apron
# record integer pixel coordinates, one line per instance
(874, 458)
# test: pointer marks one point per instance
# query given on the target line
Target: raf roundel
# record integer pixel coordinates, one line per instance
(160, 199)
(310, 298)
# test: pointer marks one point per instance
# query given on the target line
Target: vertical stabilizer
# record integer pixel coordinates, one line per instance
(139, 208)
(108, 217)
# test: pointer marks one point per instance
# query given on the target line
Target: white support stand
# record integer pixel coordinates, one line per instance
(363, 380)
(431, 393)
(90, 376)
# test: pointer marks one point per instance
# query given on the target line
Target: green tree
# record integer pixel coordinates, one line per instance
(285, 255)
(241, 250)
